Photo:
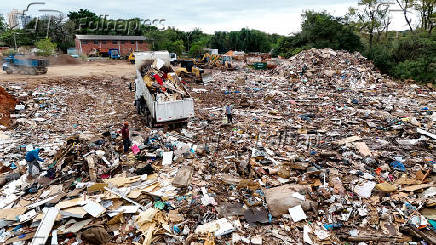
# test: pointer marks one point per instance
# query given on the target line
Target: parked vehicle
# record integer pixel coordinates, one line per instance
(114, 53)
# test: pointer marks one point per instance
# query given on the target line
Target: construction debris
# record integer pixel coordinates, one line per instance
(324, 150)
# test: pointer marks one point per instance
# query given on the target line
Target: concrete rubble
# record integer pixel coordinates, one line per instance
(323, 150)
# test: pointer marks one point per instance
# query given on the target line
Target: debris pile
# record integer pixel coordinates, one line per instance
(7, 105)
(162, 81)
(323, 150)
(63, 59)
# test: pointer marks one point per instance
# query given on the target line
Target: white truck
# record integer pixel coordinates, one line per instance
(156, 111)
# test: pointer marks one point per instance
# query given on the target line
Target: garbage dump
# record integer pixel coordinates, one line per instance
(322, 150)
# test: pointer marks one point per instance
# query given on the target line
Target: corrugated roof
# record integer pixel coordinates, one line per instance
(109, 37)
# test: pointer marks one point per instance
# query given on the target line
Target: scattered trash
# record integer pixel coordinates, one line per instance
(322, 149)
(297, 213)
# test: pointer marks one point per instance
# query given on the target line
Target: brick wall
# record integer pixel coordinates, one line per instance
(86, 46)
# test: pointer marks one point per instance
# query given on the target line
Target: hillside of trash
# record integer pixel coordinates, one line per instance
(324, 149)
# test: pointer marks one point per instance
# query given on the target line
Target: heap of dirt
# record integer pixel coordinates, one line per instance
(63, 59)
(7, 105)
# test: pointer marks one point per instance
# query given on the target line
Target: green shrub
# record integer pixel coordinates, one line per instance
(421, 69)
(46, 47)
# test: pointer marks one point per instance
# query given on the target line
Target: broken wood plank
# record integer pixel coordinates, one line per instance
(70, 203)
(120, 181)
(348, 140)
(76, 212)
(23, 237)
(91, 168)
(413, 231)
(416, 187)
(11, 213)
(368, 238)
(44, 228)
(97, 187)
(94, 209)
(363, 149)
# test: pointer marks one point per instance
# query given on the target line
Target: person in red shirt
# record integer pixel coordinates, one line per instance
(126, 136)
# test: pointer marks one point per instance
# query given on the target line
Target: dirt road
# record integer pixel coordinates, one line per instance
(86, 69)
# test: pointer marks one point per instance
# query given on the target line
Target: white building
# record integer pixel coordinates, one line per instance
(14, 19)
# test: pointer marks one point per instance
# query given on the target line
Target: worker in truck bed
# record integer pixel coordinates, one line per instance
(126, 136)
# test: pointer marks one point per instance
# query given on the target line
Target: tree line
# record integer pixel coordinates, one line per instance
(62, 29)
(409, 54)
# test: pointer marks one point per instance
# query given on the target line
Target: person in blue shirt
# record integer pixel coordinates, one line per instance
(33, 159)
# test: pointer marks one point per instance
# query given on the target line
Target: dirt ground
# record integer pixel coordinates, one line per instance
(91, 68)
(7, 104)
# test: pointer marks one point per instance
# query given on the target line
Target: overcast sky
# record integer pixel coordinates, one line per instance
(272, 16)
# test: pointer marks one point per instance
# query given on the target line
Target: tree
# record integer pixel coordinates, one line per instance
(19, 37)
(426, 9)
(45, 46)
(164, 40)
(370, 18)
(322, 30)
(405, 5)
(319, 30)
(189, 38)
(176, 47)
(220, 41)
(83, 19)
(59, 30)
(2, 24)
(197, 48)
(82, 13)
(289, 46)
(247, 40)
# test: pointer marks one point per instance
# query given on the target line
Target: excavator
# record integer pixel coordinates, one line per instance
(131, 58)
(210, 61)
(188, 71)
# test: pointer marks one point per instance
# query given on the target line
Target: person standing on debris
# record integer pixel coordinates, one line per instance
(229, 114)
(33, 159)
(126, 136)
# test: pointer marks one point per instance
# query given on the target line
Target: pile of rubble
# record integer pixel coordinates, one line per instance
(324, 150)
(162, 81)
(329, 121)
(7, 105)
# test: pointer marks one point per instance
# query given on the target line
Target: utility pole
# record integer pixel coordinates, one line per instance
(15, 42)
(48, 26)
(49, 17)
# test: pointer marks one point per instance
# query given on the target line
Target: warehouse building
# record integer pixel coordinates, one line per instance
(125, 44)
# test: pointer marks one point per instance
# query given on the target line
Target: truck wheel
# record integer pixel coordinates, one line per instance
(149, 120)
(32, 71)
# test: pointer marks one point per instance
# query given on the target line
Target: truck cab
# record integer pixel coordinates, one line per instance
(173, 58)
(114, 53)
